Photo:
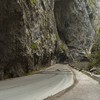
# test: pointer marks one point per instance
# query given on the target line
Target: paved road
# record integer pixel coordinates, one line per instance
(38, 86)
(85, 89)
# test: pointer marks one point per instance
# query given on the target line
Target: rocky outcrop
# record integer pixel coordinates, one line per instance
(33, 33)
(93, 7)
(28, 36)
(74, 26)
(94, 10)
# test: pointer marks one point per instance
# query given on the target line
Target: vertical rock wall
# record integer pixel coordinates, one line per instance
(74, 26)
(93, 7)
(28, 36)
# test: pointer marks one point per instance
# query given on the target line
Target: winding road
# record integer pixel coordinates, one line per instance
(85, 88)
(39, 86)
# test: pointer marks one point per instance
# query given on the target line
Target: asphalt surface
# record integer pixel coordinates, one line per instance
(39, 86)
(85, 88)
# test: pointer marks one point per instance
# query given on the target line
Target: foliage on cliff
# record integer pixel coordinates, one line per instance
(93, 9)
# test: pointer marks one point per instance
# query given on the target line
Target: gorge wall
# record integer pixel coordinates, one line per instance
(36, 33)
(74, 26)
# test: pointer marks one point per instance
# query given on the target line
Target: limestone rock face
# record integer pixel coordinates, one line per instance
(28, 36)
(36, 33)
(94, 11)
(74, 26)
(93, 7)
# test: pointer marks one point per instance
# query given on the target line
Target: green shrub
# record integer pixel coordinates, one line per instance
(95, 59)
(34, 46)
(33, 1)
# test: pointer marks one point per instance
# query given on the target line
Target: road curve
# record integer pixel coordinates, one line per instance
(86, 88)
(38, 86)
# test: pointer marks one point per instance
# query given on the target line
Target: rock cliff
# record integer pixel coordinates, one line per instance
(28, 36)
(36, 33)
(94, 8)
(74, 26)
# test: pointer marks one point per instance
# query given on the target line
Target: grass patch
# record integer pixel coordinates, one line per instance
(33, 1)
(95, 59)
(34, 46)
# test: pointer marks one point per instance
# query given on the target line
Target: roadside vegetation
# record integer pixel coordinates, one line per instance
(95, 56)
